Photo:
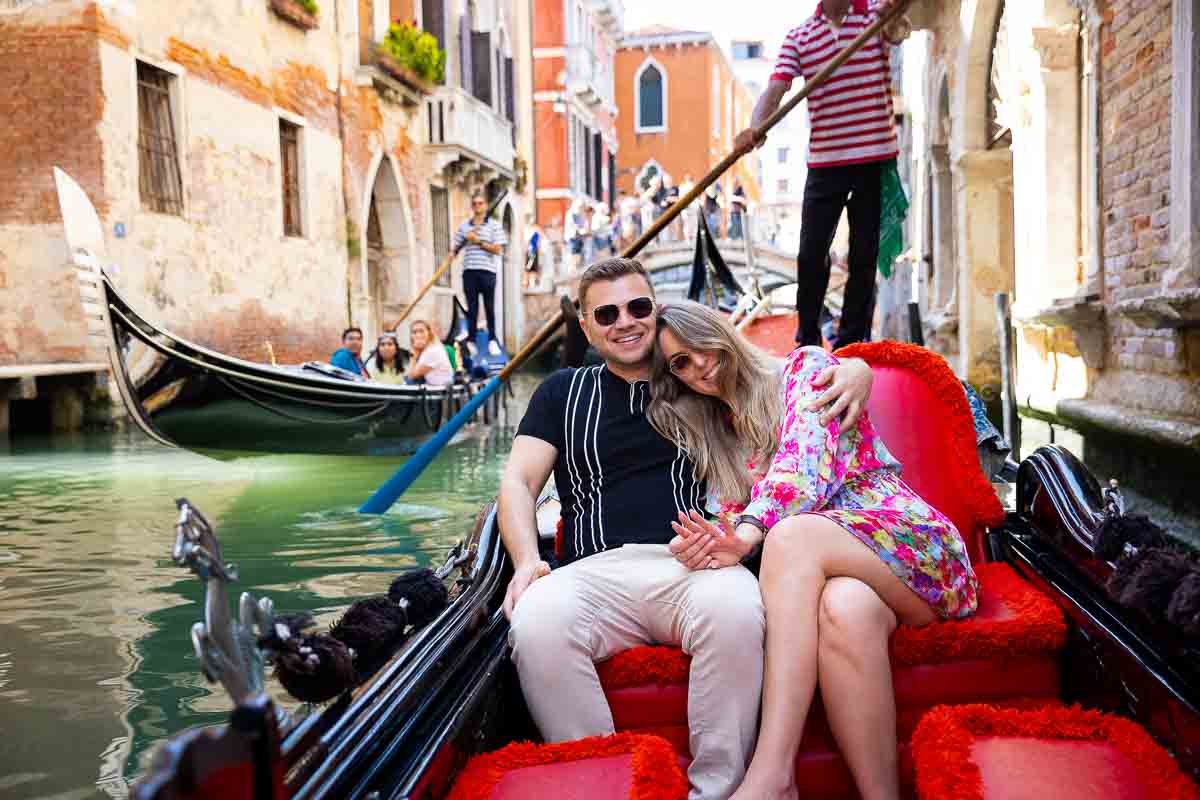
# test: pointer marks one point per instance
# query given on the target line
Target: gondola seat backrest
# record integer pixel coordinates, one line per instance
(920, 409)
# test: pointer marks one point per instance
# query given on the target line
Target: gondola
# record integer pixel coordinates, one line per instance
(184, 395)
(1083, 610)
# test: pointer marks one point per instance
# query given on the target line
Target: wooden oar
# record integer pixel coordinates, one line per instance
(447, 262)
(396, 485)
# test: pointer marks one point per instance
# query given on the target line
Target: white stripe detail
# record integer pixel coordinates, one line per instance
(599, 506)
(572, 467)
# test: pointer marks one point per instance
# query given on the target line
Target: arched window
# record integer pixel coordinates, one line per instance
(650, 83)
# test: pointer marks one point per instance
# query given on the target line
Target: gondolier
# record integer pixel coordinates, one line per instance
(853, 141)
(482, 241)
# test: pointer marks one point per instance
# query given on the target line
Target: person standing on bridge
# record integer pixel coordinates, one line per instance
(482, 240)
(853, 140)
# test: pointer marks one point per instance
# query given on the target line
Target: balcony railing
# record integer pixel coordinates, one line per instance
(589, 77)
(463, 125)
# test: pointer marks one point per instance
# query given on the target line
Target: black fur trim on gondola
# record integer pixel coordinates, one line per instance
(1147, 579)
(1135, 529)
(1184, 610)
(371, 628)
(424, 594)
(315, 668)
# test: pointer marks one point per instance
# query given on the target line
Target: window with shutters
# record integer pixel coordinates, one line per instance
(289, 160)
(481, 62)
(597, 167)
(650, 83)
(433, 13)
(510, 92)
(440, 208)
(464, 50)
(159, 180)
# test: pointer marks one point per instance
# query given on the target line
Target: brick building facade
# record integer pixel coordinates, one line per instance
(1055, 153)
(260, 177)
(703, 106)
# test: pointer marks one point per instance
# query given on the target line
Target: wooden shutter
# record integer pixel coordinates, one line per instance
(510, 94)
(434, 12)
(612, 179)
(464, 49)
(481, 60)
(440, 208)
(598, 166)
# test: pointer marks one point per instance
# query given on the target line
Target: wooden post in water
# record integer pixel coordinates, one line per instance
(1008, 373)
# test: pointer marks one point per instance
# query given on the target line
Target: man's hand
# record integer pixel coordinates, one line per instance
(747, 141)
(848, 392)
(472, 236)
(523, 577)
(699, 544)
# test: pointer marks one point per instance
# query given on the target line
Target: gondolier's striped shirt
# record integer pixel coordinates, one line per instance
(474, 256)
(619, 481)
(851, 114)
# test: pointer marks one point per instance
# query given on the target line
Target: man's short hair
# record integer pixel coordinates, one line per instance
(349, 331)
(610, 270)
(478, 196)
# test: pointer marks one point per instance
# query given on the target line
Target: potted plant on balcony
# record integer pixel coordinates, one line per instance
(412, 57)
(301, 13)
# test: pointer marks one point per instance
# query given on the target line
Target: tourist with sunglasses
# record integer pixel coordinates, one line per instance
(621, 485)
(849, 551)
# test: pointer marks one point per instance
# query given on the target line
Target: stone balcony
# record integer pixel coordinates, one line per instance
(588, 77)
(466, 135)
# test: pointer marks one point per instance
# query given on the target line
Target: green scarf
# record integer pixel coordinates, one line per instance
(893, 208)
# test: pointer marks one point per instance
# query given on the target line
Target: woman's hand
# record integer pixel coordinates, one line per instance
(699, 544)
(847, 394)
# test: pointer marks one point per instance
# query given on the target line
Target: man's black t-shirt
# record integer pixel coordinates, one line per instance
(619, 481)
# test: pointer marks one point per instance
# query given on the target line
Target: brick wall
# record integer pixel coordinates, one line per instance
(50, 73)
(1135, 175)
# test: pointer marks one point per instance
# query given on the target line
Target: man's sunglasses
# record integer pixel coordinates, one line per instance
(639, 308)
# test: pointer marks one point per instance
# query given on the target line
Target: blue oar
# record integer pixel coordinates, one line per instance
(396, 485)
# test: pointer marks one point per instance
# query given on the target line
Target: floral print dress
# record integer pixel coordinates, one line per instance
(851, 478)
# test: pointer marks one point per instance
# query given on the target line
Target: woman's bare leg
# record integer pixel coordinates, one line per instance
(855, 676)
(801, 554)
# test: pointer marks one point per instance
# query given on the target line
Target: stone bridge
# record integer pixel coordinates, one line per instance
(670, 265)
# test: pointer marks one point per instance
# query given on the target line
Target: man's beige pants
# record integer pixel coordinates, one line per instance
(639, 594)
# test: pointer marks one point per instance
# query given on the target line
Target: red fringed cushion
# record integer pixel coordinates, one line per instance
(974, 751)
(1014, 619)
(586, 767)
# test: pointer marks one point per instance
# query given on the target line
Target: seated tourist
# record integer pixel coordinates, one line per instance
(349, 355)
(621, 484)
(430, 362)
(387, 362)
(849, 551)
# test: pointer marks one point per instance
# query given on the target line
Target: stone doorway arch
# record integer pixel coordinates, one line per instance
(384, 281)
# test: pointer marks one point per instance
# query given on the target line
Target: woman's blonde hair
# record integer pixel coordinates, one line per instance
(717, 433)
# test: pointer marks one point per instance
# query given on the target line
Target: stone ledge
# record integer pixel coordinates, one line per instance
(1178, 308)
(1085, 317)
(1121, 420)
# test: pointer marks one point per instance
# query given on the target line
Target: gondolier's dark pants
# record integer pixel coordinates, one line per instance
(480, 283)
(826, 192)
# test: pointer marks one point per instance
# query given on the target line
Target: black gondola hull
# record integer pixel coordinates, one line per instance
(186, 396)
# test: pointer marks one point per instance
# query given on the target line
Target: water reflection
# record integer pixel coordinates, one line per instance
(96, 665)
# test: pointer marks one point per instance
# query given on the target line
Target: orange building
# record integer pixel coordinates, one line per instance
(680, 105)
(573, 106)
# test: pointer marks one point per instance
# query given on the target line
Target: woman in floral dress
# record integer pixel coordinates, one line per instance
(848, 550)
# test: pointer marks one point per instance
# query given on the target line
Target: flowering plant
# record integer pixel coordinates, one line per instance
(416, 50)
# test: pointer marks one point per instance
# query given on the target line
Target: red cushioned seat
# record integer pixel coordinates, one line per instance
(621, 767)
(980, 751)
(1007, 652)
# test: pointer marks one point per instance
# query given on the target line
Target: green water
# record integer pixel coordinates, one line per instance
(96, 663)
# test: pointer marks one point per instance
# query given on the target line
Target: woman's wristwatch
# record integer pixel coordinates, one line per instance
(755, 522)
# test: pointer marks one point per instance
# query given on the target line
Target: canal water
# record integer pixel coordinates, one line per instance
(96, 662)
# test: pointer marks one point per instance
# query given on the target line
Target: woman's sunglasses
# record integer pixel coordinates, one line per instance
(680, 363)
(639, 308)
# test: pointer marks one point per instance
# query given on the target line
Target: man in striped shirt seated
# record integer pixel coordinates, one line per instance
(482, 241)
(852, 139)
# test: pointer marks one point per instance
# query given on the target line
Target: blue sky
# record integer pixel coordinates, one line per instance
(753, 19)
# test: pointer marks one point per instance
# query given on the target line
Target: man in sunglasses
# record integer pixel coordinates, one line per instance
(621, 485)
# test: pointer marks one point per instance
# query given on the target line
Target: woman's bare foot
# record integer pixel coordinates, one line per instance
(767, 787)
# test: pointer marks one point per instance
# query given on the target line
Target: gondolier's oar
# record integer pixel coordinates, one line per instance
(447, 262)
(396, 485)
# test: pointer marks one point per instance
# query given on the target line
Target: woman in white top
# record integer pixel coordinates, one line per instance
(430, 363)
